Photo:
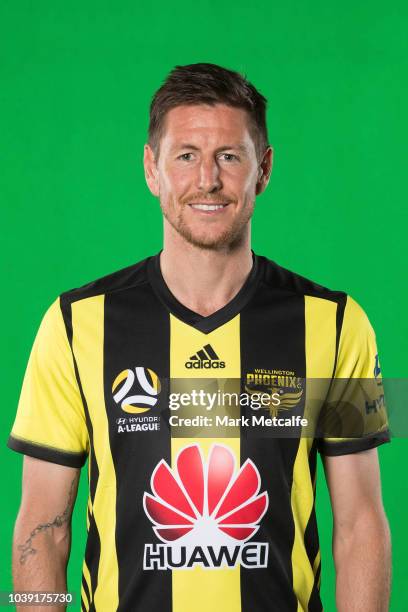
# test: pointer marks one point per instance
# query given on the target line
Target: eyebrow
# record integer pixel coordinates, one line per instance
(186, 145)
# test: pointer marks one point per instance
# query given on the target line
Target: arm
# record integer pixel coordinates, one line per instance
(42, 534)
(361, 535)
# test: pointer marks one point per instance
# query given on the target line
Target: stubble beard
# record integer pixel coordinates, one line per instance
(230, 239)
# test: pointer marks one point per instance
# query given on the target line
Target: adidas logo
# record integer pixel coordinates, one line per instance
(205, 358)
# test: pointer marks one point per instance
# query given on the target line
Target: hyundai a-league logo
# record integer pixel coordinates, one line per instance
(136, 390)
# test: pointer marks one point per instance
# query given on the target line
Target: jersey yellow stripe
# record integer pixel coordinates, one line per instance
(205, 589)
(320, 340)
(200, 589)
(356, 333)
(88, 325)
(89, 512)
(302, 504)
(320, 347)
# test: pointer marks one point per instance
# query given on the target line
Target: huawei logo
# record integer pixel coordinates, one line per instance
(210, 506)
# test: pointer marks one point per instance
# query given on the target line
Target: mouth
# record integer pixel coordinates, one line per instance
(209, 208)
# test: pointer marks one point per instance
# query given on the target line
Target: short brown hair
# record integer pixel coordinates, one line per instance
(208, 84)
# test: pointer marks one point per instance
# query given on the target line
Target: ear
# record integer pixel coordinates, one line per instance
(151, 172)
(265, 169)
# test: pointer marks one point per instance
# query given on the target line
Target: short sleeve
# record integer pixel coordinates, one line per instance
(50, 422)
(354, 416)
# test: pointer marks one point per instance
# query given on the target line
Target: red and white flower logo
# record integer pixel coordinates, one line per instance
(205, 502)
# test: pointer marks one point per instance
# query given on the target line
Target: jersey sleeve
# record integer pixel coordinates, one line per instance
(50, 422)
(354, 416)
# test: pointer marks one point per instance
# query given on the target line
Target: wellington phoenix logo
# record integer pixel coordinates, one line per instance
(136, 390)
(205, 512)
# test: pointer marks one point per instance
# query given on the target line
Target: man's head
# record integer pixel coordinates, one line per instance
(208, 146)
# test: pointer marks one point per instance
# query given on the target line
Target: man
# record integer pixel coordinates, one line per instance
(195, 504)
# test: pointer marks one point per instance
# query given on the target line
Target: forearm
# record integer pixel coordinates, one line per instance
(362, 558)
(40, 557)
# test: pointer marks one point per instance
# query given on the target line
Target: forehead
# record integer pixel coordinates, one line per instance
(202, 122)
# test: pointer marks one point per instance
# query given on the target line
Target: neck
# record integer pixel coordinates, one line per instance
(204, 280)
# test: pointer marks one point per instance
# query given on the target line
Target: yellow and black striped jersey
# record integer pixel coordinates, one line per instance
(196, 502)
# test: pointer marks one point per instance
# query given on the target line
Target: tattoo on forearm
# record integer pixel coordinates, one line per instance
(27, 548)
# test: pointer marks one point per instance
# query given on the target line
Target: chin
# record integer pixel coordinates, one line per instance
(223, 240)
(213, 239)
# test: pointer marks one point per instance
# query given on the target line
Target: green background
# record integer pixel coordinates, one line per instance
(75, 83)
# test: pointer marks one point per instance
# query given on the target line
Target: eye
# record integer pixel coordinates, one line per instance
(229, 157)
(185, 156)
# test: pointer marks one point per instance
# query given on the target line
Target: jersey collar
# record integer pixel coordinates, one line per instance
(206, 324)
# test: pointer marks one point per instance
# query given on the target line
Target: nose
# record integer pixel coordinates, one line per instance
(209, 179)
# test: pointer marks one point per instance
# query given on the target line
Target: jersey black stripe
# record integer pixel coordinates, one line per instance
(311, 533)
(85, 587)
(136, 340)
(315, 602)
(276, 343)
(93, 545)
(93, 553)
(341, 300)
(66, 310)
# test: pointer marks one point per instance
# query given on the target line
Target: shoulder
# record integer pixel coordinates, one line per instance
(350, 315)
(281, 279)
(125, 278)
